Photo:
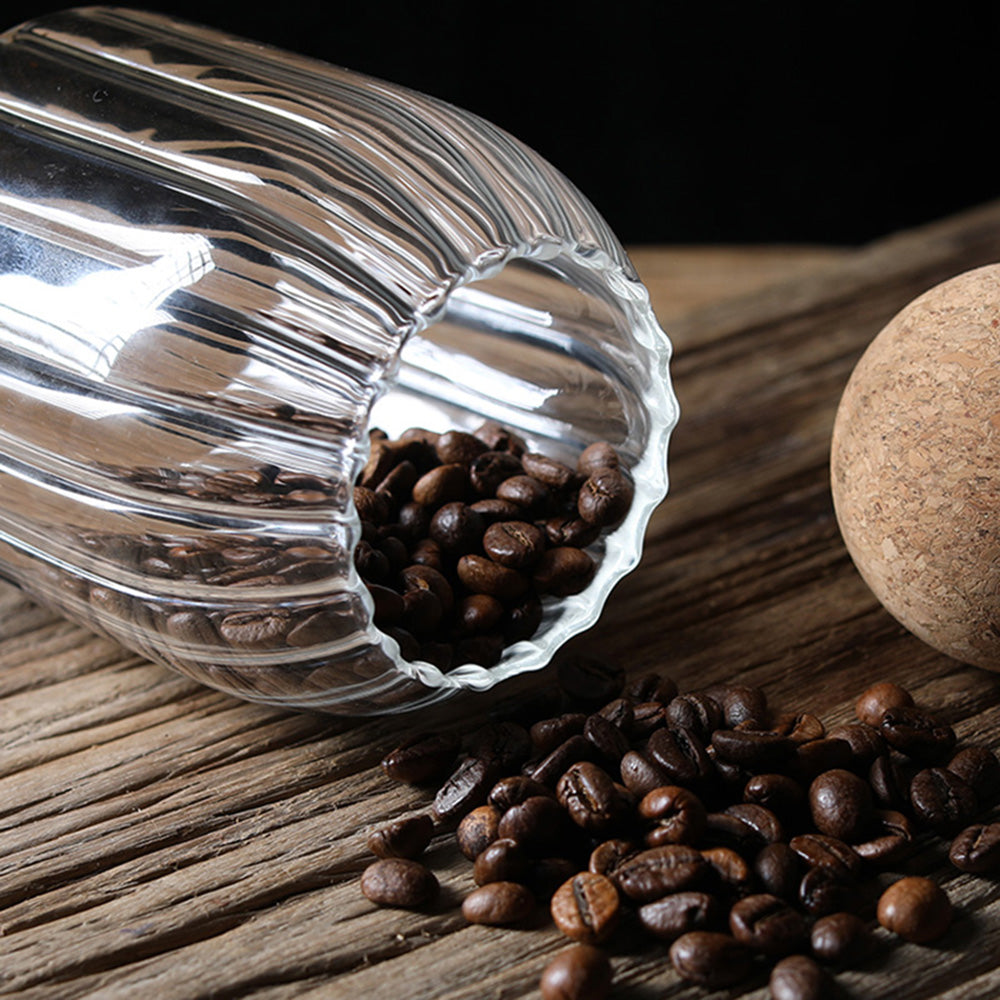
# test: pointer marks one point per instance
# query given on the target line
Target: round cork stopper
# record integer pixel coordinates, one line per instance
(915, 467)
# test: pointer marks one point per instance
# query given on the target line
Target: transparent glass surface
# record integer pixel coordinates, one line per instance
(220, 264)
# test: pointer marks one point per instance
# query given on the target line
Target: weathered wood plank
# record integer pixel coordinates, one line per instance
(159, 839)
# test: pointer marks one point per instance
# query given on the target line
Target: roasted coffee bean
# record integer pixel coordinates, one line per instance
(498, 904)
(767, 924)
(890, 783)
(514, 790)
(800, 728)
(547, 734)
(499, 438)
(522, 620)
(567, 529)
(381, 458)
(916, 734)
(732, 870)
(588, 794)
(477, 830)
(661, 870)
(609, 854)
(841, 804)
(754, 750)
(459, 446)
(563, 571)
(620, 712)
(678, 815)
(467, 788)
(865, 742)
(552, 767)
(371, 506)
(414, 520)
(915, 908)
(490, 469)
(821, 892)
(388, 605)
(889, 840)
(427, 553)
(421, 758)
(483, 576)
(597, 456)
(503, 860)
(530, 495)
(681, 755)
(255, 629)
(589, 681)
(441, 485)
(878, 699)
(977, 848)
(492, 510)
(941, 799)
(605, 497)
(507, 743)
(548, 470)
(779, 870)
(784, 796)
(409, 647)
(537, 824)
(582, 972)
(609, 741)
(710, 959)
(797, 977)
(670, 917)
(842, 939)
(586, 908)
(696, 712)
(457, 529)
(399, 482)
(545, 875)
(741, 703)
(515, 544)
(816, 756)
(729, 776)
(651, 686)
(192, 627)
(405, 838)
(760, 825)
(820, 851)
(398, 882)
(422, 613)
(647, 717)
(979, 768)
(478, 613)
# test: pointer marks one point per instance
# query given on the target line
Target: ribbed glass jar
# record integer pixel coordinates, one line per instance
(220, 265)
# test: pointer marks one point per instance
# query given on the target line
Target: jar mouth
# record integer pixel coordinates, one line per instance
(559, 343)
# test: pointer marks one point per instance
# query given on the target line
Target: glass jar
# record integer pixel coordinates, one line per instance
(220, 266)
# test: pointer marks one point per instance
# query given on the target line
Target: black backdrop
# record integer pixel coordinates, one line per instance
(692, 122)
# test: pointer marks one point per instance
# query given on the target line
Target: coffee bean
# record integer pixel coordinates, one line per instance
(490, 469)
(582, 972)
(586, 908)
(768, 924)
(889, 840)
(647, 717)
(797, 977)
(661, 870)
(699, 713)
(941, 799)
(459, 447)
(466, 788)
(516, 544)
(596, 457)
(547, 734)
(779, 870)
(483, 576)
(841, 804)
(422, 613)
(605, 497)
(545, 875)
(620, 712)
(819, 851)
(681, 755)
(523, 619)
(405, 838)
(979, 768)
(609, 854)
(890, 783)
(499, 438)
(732, 870)
(800, 728)
(477, 830)
(441, 485)
(552, 767)
(710, 959)
(563, 571)
(565, 529)
(548, 470)
(414, 520)
(421, 758)
(589, 681)
(865, 742)
(678, 816)
(880, 697)
(478, 613)
(760, 826)
(588, 794)
(915, 908)
(507, 743)
(652, 686)
(842, 939)
(751, 749)
(822, 891)
(527, 493)
(514, 790)
(609, 741)
(498, 904)
(977, 848)
(816, 756)
(670, 917)
(537, 824)
(254, 629)
(398, 882)
(741, 703)
(916, 734)
(784, 796)
(457, 528)
(503, 860)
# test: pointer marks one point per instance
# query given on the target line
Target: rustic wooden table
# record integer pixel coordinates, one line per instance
(160, 840)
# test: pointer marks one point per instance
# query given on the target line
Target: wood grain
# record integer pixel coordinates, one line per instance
(161, 840)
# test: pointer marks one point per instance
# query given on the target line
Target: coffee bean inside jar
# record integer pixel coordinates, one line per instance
(466, 536)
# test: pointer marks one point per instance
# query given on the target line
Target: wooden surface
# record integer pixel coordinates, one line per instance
(159, 840)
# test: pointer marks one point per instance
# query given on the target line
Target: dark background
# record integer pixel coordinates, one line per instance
(687, 122)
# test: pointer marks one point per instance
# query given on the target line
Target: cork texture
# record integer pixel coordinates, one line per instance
(915, 466)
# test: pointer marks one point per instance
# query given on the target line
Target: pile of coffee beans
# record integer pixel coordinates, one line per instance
(737, 837)
(463, 534)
